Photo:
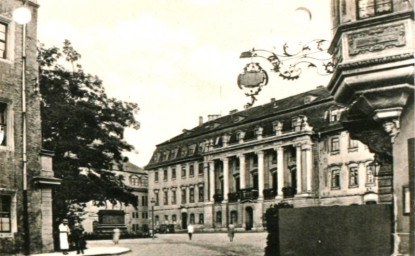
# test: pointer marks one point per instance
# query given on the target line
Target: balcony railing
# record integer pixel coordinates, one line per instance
(233, 197)
(289, 192)
(248, 194)
(270, 193)
(218, 198)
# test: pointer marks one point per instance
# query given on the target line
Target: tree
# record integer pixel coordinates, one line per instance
(84, 127)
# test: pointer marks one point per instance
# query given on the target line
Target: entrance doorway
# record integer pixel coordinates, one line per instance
(249, 218)
(184, 220)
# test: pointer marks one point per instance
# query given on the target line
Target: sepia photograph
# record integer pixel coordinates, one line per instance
(207, 127)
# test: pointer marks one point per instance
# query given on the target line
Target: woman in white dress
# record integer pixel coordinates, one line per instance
(63, 236)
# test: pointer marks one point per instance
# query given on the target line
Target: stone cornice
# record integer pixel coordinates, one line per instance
(370, 22)
(376, 61)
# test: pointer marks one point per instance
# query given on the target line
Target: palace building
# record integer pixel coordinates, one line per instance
(230, 169)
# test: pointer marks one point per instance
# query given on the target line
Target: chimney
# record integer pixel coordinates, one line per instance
(200, 120)
(212, 117)
(272, 99)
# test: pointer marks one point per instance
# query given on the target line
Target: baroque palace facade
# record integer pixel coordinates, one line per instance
(230, 169)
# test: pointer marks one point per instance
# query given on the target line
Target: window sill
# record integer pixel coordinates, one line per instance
(2, 235)
(353, 149)
(335, 188)
(354, 186)
(334, 152)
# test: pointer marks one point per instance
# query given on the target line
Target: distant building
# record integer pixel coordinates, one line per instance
(230, 169)
(126, 218)
(37, 170)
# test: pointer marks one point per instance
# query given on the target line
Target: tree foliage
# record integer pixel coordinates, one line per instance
(84, 127)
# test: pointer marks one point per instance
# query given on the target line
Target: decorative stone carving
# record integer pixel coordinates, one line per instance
(277, 127)
(240, 135)
(304, 124)
(391, 127)
(225, 139)
(376, 39)
(258, 132)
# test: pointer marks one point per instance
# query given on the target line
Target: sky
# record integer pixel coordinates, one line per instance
(179, 59)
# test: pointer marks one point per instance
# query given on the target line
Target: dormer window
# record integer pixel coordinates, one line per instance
(184, 151)
(370, 8)
(309, 98)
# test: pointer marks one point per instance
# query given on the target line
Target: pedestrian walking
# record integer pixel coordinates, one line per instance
(78, 237)
(231, 232)
(190, 231)
(116, 235)
(64, 232)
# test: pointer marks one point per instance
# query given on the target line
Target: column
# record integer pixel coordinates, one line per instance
(299, 168)
(206, 182)
(309, 166)
(280, 167)
(225, 178)
(242, 171)
(211, 180)
(260, 155)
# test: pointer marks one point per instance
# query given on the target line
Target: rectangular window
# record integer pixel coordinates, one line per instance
(5, 213)
(353, 177)
(173, 197)
(335, 145)
(192, 218)
(191, 170)
(335, 179)
(201, 194)
(192, 195)
(370, 174)
(183, 196)
(165, 176)
(157, 198)
(200, 170)
(201, 218)
(183, 171)
(166, 218)
(173, 173)
(353, 144)
(174, 218)
(144, 201)
(3, 40)
(3, 124)
(156, 176)
(370, 8)
(166, 197)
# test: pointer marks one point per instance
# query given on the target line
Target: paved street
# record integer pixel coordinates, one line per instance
(204, 244)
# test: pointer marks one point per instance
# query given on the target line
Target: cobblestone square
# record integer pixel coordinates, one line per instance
(203, 244)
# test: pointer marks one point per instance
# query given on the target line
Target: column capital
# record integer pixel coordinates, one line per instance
(280, 147)
(307, 146)
(259, 152)
(298, 145)
(224, 159)
(240, 155)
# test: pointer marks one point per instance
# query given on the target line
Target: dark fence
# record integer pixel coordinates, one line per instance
(364, 230)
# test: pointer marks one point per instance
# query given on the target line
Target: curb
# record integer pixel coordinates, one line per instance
(95, 251)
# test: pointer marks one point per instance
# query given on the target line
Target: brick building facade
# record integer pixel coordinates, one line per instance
(13, 218)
